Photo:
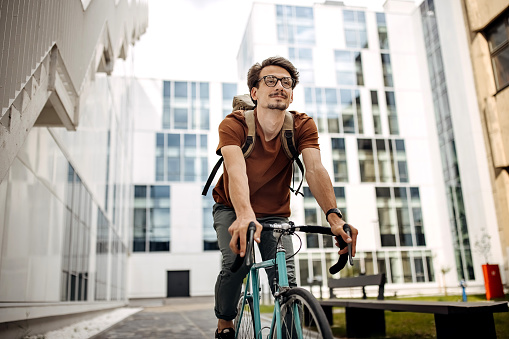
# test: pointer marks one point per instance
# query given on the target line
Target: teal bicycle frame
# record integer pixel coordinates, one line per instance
(254, 294)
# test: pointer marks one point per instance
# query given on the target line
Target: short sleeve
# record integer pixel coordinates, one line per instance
(232, 131)
(306, 132)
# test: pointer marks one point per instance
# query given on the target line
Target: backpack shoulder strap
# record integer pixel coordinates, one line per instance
(248, 146)
(287, 137)
(289, 147)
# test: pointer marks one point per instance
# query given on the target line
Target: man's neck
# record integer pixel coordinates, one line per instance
(271, 122)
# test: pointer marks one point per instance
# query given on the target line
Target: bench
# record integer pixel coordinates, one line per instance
(360, 281)
(366, 317)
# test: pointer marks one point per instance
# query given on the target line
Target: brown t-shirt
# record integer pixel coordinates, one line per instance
(269, 170)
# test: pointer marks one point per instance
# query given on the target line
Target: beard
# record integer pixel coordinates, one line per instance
(278, 105)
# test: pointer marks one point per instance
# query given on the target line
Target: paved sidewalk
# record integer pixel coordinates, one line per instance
(167, 318)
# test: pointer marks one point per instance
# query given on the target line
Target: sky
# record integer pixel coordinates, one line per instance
(186, 39)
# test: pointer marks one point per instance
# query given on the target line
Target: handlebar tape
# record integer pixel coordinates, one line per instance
(248, 257)
(343, 258)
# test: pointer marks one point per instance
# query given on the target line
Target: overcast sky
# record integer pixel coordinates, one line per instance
(188, 38)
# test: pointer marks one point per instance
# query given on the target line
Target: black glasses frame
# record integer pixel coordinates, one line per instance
(277, 79)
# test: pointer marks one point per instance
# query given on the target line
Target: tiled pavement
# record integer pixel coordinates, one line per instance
(167, 318)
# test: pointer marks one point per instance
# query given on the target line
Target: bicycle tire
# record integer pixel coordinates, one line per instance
(312, 319)
(246, 328)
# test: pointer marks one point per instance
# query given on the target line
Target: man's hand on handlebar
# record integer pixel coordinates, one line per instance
(337, 229)
(238, 232)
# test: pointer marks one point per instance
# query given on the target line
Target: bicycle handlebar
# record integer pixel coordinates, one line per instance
(249, 249)
(290, 228)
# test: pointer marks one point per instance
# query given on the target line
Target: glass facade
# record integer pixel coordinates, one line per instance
(71, 230)
(382, 160)
(181, 155)
(457, 217)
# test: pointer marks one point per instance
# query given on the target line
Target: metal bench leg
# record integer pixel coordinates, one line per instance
(479, 325)
(362, 322)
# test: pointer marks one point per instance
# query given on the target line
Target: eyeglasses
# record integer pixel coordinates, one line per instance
(271, 81)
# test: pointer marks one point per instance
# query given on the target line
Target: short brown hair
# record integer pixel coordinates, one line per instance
(254, 72)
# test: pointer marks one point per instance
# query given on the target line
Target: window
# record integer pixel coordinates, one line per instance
(314, 216)
(229, 91)
(185, 105)
(497, 35)
(349, 68)
(355, 29)
(366, 160)
(400, 217)
(339, 160)
(335, 110)
(382, 160)
(151, 221)
(76, 243)
(387, 70)
(209, 234)
(302, 58)
(181, 157)
(295, 25)
(375, 109)
(159, 218)
(383, 39)
(392, 114)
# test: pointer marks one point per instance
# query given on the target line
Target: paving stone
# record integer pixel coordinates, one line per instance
(171, 318)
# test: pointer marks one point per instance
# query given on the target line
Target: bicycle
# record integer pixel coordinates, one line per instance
(297, 313)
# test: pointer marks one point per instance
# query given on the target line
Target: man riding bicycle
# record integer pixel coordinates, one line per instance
(256, 188)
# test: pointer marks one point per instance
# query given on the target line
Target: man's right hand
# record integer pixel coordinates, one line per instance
(238, 230)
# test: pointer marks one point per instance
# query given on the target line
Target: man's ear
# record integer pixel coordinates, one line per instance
(253, 93)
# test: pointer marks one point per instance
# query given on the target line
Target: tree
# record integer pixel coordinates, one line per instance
(483, 245)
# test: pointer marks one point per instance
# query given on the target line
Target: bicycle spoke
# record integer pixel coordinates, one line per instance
(301, 318)
(246, 319)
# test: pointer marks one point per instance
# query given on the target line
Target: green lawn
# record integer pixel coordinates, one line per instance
(422, 325)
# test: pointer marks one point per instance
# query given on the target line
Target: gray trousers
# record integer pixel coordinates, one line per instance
(229, 284)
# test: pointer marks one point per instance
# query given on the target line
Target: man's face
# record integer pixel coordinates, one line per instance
(276, 97)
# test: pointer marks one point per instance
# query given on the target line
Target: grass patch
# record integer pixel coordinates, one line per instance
(422, 325)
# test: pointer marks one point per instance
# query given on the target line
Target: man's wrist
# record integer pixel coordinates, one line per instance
(336, 211)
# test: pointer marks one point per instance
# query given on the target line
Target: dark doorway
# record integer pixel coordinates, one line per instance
(177, 284)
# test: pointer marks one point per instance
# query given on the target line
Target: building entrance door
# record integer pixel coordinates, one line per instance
(177, 284)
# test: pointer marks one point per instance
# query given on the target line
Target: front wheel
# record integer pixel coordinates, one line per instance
(301, 313)
(245, 317)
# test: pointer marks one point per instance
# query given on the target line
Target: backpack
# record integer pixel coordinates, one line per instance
(244, 102)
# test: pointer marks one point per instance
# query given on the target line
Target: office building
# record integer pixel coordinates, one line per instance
(398, 157)
(66, 159)
(487, 39)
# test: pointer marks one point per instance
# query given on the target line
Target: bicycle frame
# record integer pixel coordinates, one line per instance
(252, 292)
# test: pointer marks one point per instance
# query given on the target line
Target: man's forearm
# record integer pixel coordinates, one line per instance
(321, 186)
(239, 193)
